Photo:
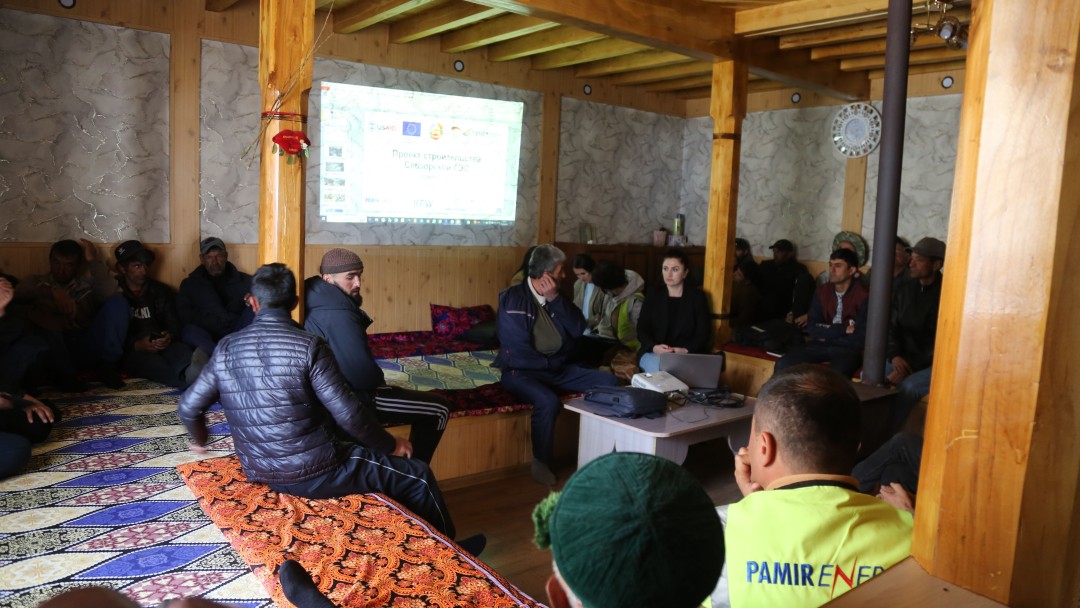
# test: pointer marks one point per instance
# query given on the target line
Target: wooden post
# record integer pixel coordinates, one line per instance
(998, 508)
(728, 108)
(551, 129)
(854, 195)
(185, 74)
(285, 57)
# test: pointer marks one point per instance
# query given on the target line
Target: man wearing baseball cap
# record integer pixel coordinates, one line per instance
(138, 329)
(630, 530)
(212, 302)
(332, 300)
(909, 352)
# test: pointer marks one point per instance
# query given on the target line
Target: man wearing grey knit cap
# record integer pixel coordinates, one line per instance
(630, 530)
(332, 301)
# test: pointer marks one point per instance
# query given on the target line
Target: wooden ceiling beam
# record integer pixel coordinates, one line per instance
(541, 42)
(630, 63)
(801, 15)
(690, 82)
(671, 72)
(442, 19)
(926, 57)
(356, 17)
(930, 68)
(795, 69)
(698, 93)
(868, 47)
(219, 6)
(586, 53)
(495, 30)
(855, 33)
(703, 30)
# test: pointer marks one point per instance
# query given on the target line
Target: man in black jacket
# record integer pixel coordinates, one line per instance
(139, 327)
(332, 301)
(285, 399)
(909, 353)
(211, 302)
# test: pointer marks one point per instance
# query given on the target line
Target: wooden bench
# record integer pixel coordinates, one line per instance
(746, 368)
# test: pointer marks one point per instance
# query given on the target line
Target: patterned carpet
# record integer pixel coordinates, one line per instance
(458, 370)
(105, 506)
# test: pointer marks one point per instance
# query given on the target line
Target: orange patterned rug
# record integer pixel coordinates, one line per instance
(363, 550)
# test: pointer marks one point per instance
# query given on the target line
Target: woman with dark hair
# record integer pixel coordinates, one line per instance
(590, 299)
(674, 318)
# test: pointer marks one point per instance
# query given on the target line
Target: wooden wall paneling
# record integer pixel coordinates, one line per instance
(998, 501)
(924, 80)
(154, 15)
(854, 194)
(728, 110)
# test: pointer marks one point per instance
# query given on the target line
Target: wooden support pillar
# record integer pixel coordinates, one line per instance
(551, 129)
(999, 501)
(728, 108)
(854, 194)
(286, 31)
(185, 76)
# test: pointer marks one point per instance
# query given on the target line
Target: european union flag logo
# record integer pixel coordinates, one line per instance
(410, 129)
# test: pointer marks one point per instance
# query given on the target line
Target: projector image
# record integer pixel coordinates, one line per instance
(661, 382)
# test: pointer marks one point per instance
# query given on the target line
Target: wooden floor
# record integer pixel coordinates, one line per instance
(503, 511)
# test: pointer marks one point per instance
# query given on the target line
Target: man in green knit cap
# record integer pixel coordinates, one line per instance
(630, 530)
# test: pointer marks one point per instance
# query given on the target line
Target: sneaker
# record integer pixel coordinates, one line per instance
(541, 473)
(198, 361)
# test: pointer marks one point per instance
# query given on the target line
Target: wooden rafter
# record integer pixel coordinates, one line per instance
(671, 72)
(541, 42)
(800, 15)
(586, 53)
(690, 82)
(699, 29)
(442, 19)
(930, 68)
(868, 47)
(855, 33)
(364, 14)
(796, 69)
(498, 29)
(629, 63)
(929, 56)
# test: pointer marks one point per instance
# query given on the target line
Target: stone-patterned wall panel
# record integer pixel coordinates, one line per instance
(620, 170)
(84, 130)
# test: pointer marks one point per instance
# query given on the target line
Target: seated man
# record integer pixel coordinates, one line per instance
(62, 303)
(909, 352)
(785, 290)
(23, 421)
(212, 298)
(836, 321)
(630, 530)
(139, 328)
(803, 534)
(901, 259)
(333, 312)
(285, 400)
(625, 290)
(537, 331)
(20, 348)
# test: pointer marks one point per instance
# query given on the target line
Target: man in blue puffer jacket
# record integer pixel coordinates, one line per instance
(537, 330)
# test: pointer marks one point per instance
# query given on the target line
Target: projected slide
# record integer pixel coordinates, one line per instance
(393, 156)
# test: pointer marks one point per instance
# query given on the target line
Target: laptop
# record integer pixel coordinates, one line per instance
(700, 372)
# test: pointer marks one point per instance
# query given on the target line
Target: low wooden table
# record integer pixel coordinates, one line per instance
(668, 436)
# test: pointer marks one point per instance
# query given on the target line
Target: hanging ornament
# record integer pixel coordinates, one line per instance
(291, 144)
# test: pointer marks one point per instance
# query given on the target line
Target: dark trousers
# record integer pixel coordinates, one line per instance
(406, 480)
(427, 413)
(105, 339)
(538, 388)
(844, 361)
(19, 351)
(896, 461)
(17, 434)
